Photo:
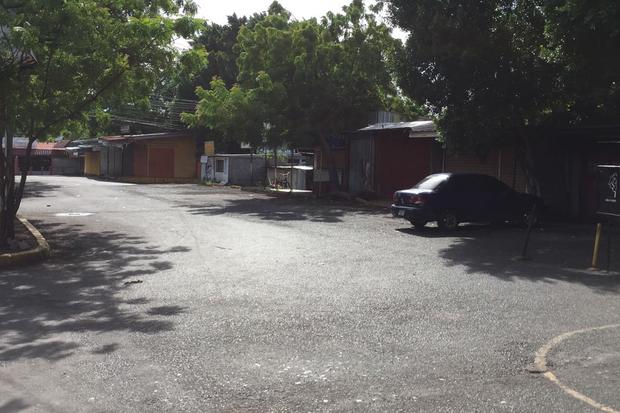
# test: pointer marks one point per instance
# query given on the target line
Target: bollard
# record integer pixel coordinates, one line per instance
(608, 246)
(530, 224)
(597, 247)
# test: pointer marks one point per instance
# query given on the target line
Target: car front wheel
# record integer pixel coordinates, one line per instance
(418, 223)
(448, 221)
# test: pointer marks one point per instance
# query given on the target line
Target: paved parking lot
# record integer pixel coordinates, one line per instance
(187, 298)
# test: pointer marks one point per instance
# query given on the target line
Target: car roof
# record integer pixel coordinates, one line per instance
(467, 174)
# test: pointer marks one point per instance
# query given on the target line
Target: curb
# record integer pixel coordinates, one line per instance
(274, 194)
(41, 251)
(373, 204)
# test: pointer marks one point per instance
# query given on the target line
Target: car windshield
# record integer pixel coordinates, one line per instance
(432, 182)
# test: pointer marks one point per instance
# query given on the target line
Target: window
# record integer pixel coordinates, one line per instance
(462, 183)
(432, 182)
(219, 166)
(490, 184)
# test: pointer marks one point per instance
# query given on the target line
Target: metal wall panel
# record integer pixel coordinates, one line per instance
(362, 165)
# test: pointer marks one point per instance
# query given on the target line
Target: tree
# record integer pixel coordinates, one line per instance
(584, 40)
(498, 72)
(219, 41)
(89, 55)
(308, 79)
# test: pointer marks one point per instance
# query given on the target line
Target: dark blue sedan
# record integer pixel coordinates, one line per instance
(451, 198)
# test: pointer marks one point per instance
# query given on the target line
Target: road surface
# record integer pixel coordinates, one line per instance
(182, 298)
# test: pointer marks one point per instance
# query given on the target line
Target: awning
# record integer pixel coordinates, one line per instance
(34, 152)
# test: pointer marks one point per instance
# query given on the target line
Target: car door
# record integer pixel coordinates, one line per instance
(497, 199)
(460, 195)
(479, 197)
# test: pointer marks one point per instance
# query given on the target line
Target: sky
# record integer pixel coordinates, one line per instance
(216, 11)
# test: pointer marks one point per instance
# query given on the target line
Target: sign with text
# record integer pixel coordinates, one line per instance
(209, 148)
(608, 179)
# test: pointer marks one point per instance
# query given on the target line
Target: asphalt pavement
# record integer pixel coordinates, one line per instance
(184, 298)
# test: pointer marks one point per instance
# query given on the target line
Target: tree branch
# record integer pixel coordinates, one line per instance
(79, 108)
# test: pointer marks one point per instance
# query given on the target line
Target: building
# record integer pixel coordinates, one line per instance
(296, 177)
(46, 158)
(235, 169)
(567, 163)
(148, 158)
(382, 158)
(386, 157)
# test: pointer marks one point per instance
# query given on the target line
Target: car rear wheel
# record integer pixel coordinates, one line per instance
(448, 221)
(418, 223)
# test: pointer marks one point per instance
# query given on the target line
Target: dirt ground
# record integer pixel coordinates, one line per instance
(23, 240)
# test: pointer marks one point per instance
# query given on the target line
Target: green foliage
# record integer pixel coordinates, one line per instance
(478, 67)
(493, 71)
(231, 111)
(88, 54)
(300, 80)
(583, 38)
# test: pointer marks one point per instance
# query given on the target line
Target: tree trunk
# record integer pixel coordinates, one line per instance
(24, 174)
(528, 163)
(334, 185)
(7, 209)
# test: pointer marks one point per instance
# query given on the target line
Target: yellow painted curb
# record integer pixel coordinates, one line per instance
(37, 253)
(541, 366)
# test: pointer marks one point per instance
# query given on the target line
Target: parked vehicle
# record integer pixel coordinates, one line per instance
(451, 198)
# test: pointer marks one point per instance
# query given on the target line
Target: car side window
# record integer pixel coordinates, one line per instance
(460, 184)
(495, 185)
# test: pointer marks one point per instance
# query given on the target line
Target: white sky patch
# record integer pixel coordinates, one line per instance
(217, 11)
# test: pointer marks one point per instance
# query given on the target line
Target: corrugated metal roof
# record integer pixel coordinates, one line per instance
(416, 126)
(50, 146)
(237, 155)
(34, 152)
(131, 138)
(38, 148)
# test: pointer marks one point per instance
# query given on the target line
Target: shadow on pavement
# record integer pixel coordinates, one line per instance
(36, 189)
(556, 253)
(14, 406)
(77, 290)
(282, 209)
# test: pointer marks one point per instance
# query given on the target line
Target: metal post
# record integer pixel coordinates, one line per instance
(597, 247)
(290, 184)
(609, 229)
(530, 224)
(251, 167)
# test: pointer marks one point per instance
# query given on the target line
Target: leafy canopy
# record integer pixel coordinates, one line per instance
(300, 80)
(89, 53)
(494, 70)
